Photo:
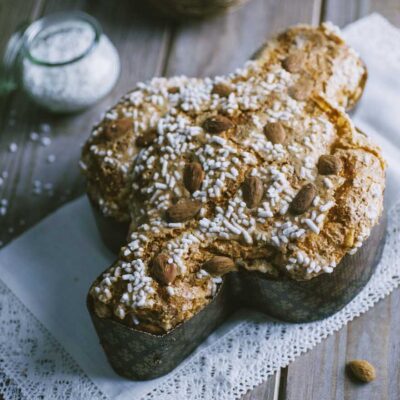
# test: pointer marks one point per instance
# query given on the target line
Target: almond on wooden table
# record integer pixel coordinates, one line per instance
(163, 271)
(362, 370)
(303, 199)
(349, 237)
(219, 265)
(217, 124)
(193, 176)
(183, 210)
(253, 191)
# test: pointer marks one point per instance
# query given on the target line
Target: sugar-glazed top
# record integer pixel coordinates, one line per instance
(254, 170)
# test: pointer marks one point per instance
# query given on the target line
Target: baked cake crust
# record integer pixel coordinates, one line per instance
(337, 73)
(259, 170)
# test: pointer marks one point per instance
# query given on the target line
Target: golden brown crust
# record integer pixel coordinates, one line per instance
(336, 70)
(249, 182)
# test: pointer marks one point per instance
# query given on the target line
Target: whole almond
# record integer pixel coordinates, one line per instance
(294, 62)
(217, 124)
(146, 138)
(163, 271)
(102, 310)
(117, 128)
(222, 89)
(275, 132)
(302, 89)
(183, 210)
(253, 191)
(362, 370)
(193, 176)
(219, 265)
(329, 165)
(303, 199)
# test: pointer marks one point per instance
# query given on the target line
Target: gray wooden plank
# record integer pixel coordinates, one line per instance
(266, 391)
(341, 12)
(12, 13)
(368, 337)
(318, 374)
(9, 21)
(392, 368)
(388, 8)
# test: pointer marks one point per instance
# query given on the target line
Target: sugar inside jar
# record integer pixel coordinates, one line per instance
(67, 63)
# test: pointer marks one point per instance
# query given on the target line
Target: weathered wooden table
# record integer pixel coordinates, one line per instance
(148, 47)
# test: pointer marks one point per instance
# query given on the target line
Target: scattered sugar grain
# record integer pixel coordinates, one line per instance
(13, 147)
(34, 136)
(51, 158)
(45, 141)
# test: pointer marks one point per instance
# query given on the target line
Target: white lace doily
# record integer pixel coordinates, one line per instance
(33, 360)
(252, 348)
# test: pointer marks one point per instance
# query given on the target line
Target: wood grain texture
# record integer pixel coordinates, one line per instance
(342, 12)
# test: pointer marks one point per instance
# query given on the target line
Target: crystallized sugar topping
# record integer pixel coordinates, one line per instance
(82, 70)
(230, 172)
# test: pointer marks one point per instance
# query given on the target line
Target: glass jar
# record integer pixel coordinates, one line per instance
(64, 62)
